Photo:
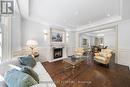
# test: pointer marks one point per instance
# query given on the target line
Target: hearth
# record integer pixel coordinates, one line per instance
(57, 52)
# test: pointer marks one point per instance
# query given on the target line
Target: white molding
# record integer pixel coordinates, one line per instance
(122, 54)
(64, 49)
(100, 23)
(81, 28)
(37, 20)
(17, 4)
(57, 59)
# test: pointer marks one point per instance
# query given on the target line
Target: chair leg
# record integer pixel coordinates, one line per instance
(107, 65)
(94, 62)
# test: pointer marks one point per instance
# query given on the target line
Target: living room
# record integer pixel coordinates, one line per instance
(57, 28)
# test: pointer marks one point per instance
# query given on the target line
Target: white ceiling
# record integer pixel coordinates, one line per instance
(73, 13)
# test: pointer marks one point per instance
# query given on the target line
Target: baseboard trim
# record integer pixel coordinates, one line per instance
(57, 59)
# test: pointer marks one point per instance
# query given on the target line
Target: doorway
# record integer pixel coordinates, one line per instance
(101, 38)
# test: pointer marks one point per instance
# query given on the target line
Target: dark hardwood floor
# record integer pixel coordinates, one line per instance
(88, 74)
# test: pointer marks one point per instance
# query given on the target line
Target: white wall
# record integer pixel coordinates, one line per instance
(35, 31)
(125, 9)
(110, 39)
(124, 43)
(71, 42)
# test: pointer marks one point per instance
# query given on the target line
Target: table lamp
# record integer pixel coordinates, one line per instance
(32, 44)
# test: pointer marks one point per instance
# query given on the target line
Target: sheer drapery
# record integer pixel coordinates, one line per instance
(6, 37)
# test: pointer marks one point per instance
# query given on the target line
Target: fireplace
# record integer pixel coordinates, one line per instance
(57, 52)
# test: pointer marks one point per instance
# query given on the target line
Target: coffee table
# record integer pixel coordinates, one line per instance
(72, 65)
(74, 61)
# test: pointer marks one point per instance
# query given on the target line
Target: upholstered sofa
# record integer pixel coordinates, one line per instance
(44, 78)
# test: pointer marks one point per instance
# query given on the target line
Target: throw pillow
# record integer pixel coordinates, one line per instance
(27, 61)
(15, 78)
(31, 72)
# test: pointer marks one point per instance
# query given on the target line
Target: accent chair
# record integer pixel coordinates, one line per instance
(103, 57)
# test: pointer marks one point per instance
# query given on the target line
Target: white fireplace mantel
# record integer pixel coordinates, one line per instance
(52, 46)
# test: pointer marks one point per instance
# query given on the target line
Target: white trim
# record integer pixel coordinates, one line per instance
(35, 19)
(96, 28)
(100, 23)
(53, 60)
(122, 54)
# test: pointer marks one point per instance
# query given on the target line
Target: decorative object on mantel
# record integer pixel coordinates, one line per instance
(57, 36)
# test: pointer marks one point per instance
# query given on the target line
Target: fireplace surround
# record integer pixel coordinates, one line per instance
(57, 53)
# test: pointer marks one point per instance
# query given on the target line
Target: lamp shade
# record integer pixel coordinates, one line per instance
(31, 43)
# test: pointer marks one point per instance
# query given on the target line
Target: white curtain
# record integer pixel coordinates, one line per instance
(6, 38)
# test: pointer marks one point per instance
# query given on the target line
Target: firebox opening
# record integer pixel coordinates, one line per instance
(57, 53)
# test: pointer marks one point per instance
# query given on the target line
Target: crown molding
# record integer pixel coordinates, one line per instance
(37, 20)
(100, 23)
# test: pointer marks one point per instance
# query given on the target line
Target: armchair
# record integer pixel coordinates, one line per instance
(103, 57)
(79, 51)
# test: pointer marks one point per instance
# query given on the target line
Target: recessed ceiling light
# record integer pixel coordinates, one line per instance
(108, 15)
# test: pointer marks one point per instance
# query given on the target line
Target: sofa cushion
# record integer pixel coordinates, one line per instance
(102, 54)
(15, 78)
(27, 61)
(31, 72)
(100, 58)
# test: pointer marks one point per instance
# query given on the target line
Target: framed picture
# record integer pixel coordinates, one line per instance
(57, 36)
(84, 41)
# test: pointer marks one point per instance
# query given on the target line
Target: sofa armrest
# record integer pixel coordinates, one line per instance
(97, 54)
(109, 55)
(44, 76)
